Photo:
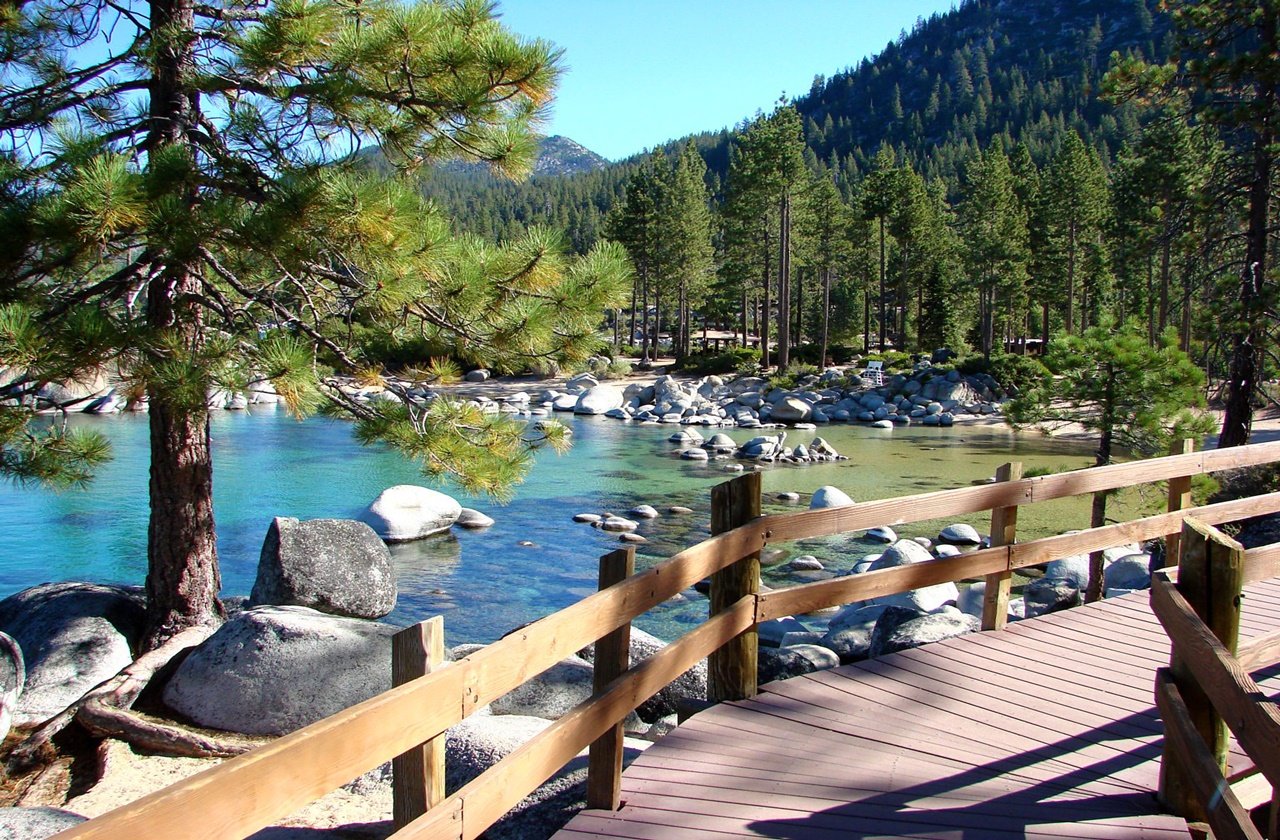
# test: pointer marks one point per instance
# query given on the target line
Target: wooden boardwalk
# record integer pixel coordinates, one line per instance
(1047, 729)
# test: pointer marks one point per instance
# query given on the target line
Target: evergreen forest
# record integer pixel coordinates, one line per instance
(1000, 174)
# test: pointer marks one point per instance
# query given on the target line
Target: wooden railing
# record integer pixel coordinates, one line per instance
(1208, 690)
(251, 791)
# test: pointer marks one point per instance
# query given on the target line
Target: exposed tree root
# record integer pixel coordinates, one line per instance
(107, 710)
(163, 737)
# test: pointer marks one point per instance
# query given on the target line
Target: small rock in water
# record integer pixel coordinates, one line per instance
(587, 517)
(805, 563)
(632, 538)
(679, 509)
(525, 543)
(618, 523)
(788, 496)
(883, 534)
(643, 512)
(960, 534)
(828, 496)
(473, 519)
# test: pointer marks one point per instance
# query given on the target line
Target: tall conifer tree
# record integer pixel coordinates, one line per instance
(180, 197)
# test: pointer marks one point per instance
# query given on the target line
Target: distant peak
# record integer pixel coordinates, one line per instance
(562, 156)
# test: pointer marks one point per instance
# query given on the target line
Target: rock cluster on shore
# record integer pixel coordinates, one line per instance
(930, 396)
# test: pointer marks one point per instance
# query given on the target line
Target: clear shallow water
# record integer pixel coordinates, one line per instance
(484, 583)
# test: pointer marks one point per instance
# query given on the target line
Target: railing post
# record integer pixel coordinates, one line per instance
(613, 658)
(1210, 577)
(731, 670)
(417, 775)
(1004, 528)
(1179, 499)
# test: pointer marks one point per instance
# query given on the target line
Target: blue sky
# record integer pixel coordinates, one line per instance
(647, 71)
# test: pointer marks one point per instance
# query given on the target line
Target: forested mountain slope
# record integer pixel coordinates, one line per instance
(1020, 70)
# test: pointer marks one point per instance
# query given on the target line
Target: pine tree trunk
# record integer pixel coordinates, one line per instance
(1071, 277)
(882, 279)
(631, 330)
(1246, 343)
(182, 558)
(1165, 258)
(826, 316)
(657, 322)
(764, 316)
(1151, 300)
(1098, 508)
(866, 321)
(182, 553)
(799, 324)
(784, 282)
(645, 356)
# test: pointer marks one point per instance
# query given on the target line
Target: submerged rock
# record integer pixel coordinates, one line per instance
(473, 519)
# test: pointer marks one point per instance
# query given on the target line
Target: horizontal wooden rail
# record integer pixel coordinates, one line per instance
(967, 500)
(477, 805)
(248, 792)
(1259, 652)
(1248, 712)
(1264, 563)
(1223, 811)
(806, 598)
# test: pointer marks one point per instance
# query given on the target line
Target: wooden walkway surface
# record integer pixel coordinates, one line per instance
(1047, 729)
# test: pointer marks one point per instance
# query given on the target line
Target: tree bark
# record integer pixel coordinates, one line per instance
(784, 281)
(764, 316)
(182, 558)
(826, 316)
(882, 279)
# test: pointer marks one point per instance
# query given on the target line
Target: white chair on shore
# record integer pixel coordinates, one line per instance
(874, 373)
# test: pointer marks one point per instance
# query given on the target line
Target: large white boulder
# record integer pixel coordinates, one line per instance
(73, 636)
(791, 410)
(900, 629)
(828, 497)
(599, 399)
(409, 512)
(337, 566)
(960, 533)
(926, 599)
(271, 670)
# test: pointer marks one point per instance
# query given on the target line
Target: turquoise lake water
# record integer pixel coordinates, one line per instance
(484, 583)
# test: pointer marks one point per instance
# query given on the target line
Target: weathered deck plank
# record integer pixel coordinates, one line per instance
(1044, 730)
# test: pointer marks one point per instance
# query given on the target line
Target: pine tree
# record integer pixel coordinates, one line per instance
(826, 227)
(880, 193)
(635, 224)
(181, 198)
(684, 221)
(1231, 48)
(1113, 382)
(1074, 205)
(995, 237)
